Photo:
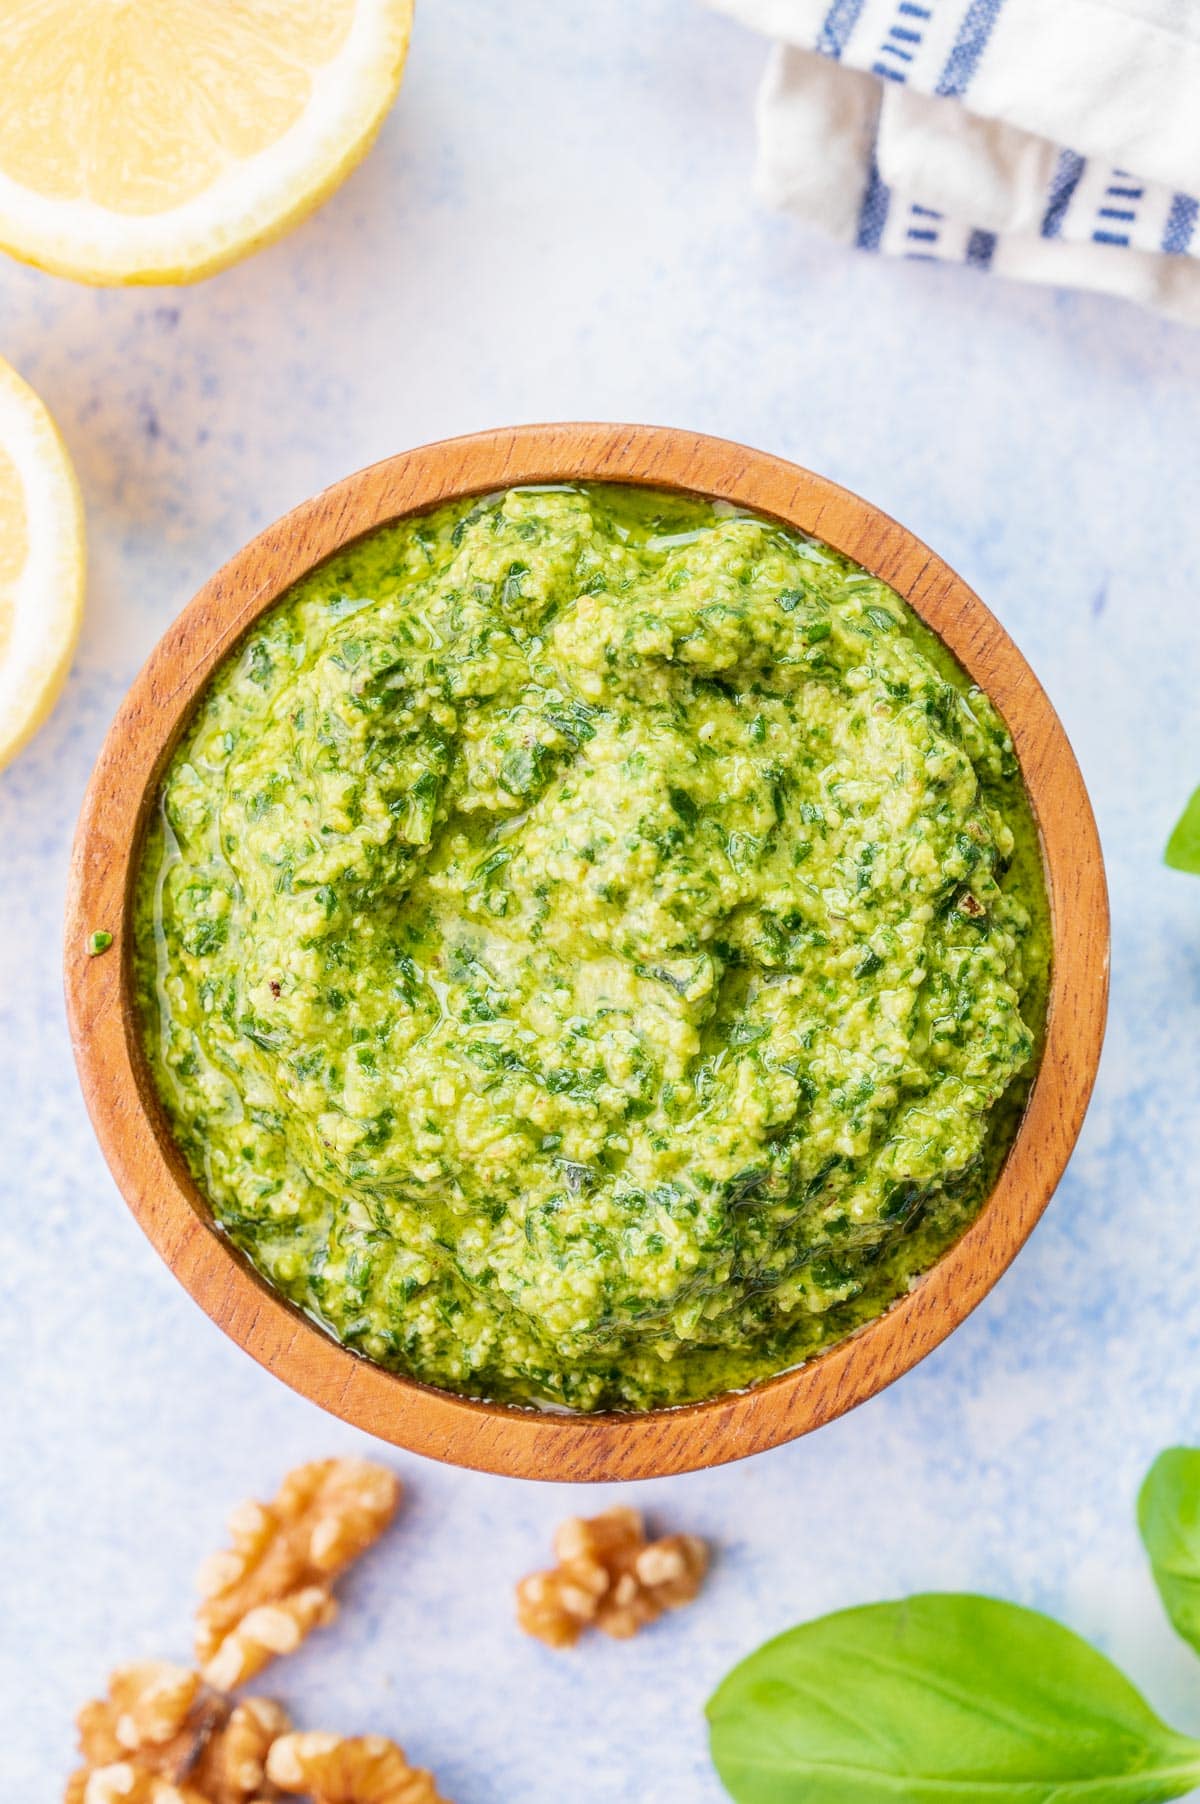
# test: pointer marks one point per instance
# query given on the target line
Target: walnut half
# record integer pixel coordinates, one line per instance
(356, 1769)
(162, 1736)
(609, 1577)
(156, 1715)
(123, 1783)
(232, 1765)
(274, 1585)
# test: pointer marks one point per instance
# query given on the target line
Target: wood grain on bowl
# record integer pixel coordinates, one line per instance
(150, 1171)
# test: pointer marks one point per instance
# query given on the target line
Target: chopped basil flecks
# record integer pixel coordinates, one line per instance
(1183, 847)
(604, 964)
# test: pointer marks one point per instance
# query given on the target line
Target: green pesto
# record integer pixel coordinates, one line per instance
(592, 947)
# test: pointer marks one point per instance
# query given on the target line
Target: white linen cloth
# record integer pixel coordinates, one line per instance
(1051, 140)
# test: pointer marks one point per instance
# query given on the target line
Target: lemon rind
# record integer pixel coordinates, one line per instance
(52, 579)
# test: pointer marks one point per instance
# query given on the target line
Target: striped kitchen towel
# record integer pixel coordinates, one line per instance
(1051, 140)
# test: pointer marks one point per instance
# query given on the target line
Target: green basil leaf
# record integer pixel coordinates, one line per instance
(1169, 1520)
(941, 1700)
(1183, 847)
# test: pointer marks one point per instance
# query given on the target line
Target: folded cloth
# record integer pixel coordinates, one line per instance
(1051, 140)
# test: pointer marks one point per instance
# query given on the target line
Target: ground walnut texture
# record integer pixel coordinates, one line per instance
(263, 1596)
(609, 1577)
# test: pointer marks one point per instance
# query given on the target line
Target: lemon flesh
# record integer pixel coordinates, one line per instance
(41, 562)
(159, 140)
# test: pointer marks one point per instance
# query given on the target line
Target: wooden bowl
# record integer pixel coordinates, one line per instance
(132, 1129)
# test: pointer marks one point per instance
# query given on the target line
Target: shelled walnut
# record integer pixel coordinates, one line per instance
(156, 1715)
(123, 1783)
(264, 1595)
(165, 1734)
(357, 1769)
(162, 1723)
(609, 1577)
(231, 1768)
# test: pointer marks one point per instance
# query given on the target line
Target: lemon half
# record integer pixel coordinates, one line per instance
(159, 140)
(41, 562)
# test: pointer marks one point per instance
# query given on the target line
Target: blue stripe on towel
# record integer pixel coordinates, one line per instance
(840, 21)
(1062, 187)
(872, 214)
(969, 46)
(1121, 238)
(1181, 223)
(981, 248)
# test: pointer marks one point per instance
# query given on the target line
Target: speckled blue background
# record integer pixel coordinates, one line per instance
(557, 223)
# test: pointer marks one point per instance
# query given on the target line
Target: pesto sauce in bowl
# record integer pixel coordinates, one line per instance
(592, 947)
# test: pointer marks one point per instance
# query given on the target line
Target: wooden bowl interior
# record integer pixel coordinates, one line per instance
(132, 1127)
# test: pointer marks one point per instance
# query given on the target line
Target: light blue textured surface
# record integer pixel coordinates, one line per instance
(556, 223)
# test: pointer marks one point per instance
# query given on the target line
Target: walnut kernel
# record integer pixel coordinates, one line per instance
(609, 1577)
(232, 1765)
(156, 1715)
(358, 1769)
(123, 1783)
(265, 1594)
(162, 1722)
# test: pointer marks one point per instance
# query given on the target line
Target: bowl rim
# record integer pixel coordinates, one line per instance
(128, 1120)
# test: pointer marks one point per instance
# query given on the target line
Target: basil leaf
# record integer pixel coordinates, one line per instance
(1169, 1520)
(1183, 847)
(940, 1699)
